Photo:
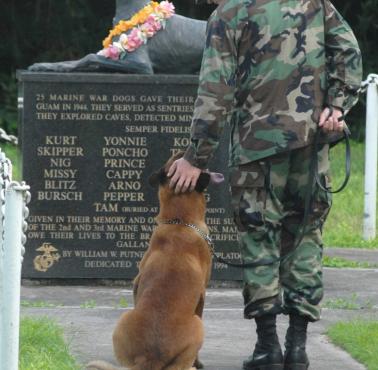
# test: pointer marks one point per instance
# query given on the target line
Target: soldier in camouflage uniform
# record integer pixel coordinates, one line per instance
(272, 69)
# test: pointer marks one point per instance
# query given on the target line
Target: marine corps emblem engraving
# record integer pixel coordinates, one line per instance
(47, 259)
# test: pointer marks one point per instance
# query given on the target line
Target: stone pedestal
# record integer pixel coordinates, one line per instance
(89, 144)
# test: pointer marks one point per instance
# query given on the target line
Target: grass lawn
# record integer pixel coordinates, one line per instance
(13, 153)
(42, 346)
(340, 262)
(344, 224)
(359, 338)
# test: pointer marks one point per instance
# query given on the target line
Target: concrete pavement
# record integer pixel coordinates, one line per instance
(89, 313)
(354, 254)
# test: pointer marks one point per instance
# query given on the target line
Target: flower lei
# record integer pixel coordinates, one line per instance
(143, 25)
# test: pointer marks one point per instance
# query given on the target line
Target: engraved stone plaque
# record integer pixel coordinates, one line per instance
(89, 144)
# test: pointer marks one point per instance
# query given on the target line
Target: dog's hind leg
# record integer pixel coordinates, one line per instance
(184, 361)
(125, 348)
(186, 358)
(199, 310)
(103, 365)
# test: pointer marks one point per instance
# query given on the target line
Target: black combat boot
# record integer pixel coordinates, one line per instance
(267, 354)
(295, 344)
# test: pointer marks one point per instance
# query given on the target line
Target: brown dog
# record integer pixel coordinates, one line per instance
(164, 331)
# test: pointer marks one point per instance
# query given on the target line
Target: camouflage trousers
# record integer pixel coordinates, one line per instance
(268, 203)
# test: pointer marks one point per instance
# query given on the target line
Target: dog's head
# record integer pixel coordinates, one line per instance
(160, 177)
(190, 205)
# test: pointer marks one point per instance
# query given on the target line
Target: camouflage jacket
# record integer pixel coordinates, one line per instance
(269, 67)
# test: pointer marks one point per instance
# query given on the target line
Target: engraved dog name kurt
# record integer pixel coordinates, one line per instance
(89, 144)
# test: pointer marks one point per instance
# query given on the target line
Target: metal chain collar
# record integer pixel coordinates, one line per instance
(177, 221)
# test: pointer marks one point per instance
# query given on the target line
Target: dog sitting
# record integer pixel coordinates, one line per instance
(165, 331)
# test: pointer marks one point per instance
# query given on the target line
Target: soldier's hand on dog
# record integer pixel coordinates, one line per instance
(332, 120)
(183, 176)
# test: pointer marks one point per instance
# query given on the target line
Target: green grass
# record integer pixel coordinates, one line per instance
(340, 262)
(13, 153)
(359, 338)
(122, 303)
(39, 304)
(42, 346)
(91, 303)
(344, 224)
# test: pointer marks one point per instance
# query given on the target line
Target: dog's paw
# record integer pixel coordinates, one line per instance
(94, 365)
(101, 365)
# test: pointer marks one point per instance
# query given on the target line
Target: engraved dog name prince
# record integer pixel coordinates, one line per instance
(89, 144)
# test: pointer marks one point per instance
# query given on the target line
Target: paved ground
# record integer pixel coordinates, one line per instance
(229, 338)
(354, 254)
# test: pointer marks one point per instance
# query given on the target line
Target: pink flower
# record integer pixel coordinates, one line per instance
(148, 29)
(134, 40)
(153, 23)
(167, 9)
(111, 52)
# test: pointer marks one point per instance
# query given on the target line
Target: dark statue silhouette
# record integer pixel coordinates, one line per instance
(176, 49)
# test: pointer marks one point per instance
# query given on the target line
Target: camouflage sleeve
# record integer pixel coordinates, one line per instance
(344, 64)
(216, 85)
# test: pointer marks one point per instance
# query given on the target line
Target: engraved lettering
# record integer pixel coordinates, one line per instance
(124, 98)
(121, 174)
(124, 152)
(125, 140)
(60, 195)
(59, 173)
(121, 163)
(108, 207)
(142, 129)
(67, 97)
(60, 162)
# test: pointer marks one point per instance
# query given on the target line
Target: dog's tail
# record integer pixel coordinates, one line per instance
(103, 365)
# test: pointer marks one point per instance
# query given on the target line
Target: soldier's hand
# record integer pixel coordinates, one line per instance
(183, 176)
(332, 120)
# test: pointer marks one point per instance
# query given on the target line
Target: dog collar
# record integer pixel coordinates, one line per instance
(177, 221)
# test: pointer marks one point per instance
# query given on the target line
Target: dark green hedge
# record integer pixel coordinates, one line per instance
(52, 30)
(45, 30)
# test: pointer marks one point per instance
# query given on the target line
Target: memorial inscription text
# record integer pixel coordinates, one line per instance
(90, 155)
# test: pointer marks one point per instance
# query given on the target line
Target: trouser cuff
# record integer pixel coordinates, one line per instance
(271, 305)
(312, 316)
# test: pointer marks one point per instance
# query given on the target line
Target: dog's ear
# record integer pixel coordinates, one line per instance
(158, 178)
(202, 182)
